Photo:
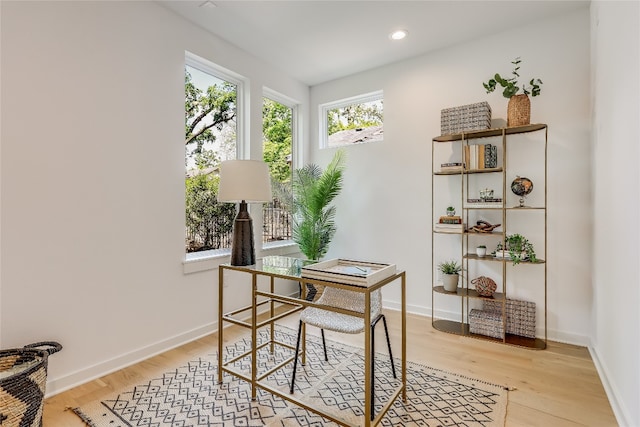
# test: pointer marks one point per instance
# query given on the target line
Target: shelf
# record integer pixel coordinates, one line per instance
(489, 133)
(469, 171)
(495, 259)
(477, 233)
(471, 208)
(462, 329)
(471, 293)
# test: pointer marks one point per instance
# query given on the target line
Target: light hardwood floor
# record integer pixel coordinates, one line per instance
(558, 386)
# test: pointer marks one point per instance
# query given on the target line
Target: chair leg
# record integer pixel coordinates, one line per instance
(295, 360)
(324, 345)
(373, 358)
(386, 332)
(373, 367)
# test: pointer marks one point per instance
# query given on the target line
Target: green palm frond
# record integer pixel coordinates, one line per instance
(314, 219)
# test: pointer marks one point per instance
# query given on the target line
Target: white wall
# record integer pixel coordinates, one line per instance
(616, 187)
(385, 208)
(92, 180)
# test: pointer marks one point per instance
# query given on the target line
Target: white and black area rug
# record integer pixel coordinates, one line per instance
(190, 395)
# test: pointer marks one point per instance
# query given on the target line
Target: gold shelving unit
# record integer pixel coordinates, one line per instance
(458, 322)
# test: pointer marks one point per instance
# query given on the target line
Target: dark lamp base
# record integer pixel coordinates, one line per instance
(242, 247)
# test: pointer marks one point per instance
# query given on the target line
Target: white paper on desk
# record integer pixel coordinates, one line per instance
(350, 269)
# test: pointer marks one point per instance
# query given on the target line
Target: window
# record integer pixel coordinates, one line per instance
(211, 136)
(278, 135)
(353, 120)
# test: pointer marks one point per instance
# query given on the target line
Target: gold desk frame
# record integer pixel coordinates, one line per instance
(297, 305)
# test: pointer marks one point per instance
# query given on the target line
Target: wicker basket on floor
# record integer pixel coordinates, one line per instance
(23, 378)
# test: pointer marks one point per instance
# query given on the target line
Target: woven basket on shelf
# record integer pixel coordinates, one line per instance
(23, 378)
(519, 110)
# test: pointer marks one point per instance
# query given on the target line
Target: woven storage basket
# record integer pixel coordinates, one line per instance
(23, 378)
(486, 322)
(465, 118)
(521, 316)
(519, 110)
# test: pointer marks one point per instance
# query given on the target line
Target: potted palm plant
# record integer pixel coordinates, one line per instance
(450, 270)
(309, 198)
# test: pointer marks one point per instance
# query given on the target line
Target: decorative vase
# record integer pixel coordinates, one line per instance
(481, 251)
(450, 282)
(519, 110)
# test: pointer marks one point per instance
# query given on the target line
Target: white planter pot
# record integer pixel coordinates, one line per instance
(481, 251)
(450, 282)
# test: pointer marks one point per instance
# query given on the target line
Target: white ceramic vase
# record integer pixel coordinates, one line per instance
(450, 282)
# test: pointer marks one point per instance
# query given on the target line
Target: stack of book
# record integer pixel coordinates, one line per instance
(480, 156)
(493, 202)
(449, 224)
(451, 167)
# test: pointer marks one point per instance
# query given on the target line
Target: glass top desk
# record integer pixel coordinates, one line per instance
(278, 267)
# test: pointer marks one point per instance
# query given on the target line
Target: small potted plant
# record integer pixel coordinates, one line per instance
(451, 211)
(481, 250)
(517, 248)
(450, 270)
(519, 108)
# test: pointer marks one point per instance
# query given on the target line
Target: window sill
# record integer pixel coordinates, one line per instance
(210, 260)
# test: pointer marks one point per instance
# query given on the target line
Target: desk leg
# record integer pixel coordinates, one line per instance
(271, 313)
(404, 336)
(254, 335)
(368, 402)
(220, 326)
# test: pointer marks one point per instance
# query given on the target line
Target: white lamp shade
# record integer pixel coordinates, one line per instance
(246, 180)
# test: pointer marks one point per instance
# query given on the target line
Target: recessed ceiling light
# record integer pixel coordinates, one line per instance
(398, 34)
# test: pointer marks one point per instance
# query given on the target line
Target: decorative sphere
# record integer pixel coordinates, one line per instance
(521, 186)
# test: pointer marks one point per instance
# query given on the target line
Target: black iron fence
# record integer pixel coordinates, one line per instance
(217, 233)
(276, 222)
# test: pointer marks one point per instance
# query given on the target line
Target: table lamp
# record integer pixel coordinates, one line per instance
(244, 181)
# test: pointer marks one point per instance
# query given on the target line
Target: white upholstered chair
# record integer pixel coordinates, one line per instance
(338, 322)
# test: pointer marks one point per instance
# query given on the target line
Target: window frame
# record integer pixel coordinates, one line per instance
(242, 148)
(323, 110)
(296, 150)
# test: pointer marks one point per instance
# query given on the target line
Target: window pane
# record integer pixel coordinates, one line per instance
(210, 137)
(353, 121)
(277, 131)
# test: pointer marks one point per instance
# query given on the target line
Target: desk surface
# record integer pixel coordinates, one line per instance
(292, 269)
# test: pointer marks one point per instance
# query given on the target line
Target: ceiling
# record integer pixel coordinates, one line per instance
(318, 41)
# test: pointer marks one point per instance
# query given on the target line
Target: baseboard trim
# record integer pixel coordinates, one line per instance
(83, 376)
(619, 411)
(67, 382)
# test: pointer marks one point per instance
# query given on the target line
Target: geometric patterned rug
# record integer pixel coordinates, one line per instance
(190, 396)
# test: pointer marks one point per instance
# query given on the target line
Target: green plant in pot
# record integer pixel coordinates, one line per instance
(450, 273)
(518, 247)
(309, 198)
(519, 108)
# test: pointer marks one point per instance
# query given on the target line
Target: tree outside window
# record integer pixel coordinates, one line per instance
(210, 137)
(277, 129)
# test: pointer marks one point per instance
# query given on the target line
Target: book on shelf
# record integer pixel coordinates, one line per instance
(450, 164)
(484, 205)
(449, 228)
(486, 200)
(480, 156)
(450, 219)
(454, 168)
